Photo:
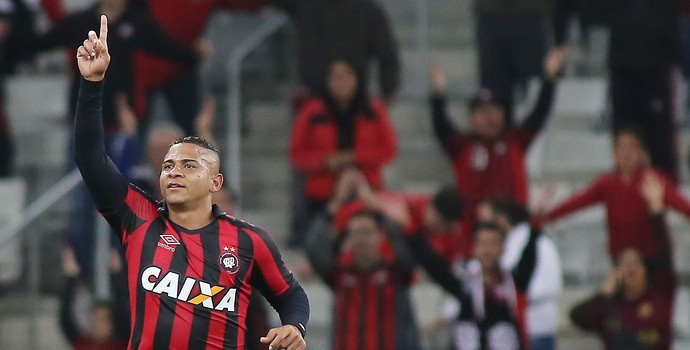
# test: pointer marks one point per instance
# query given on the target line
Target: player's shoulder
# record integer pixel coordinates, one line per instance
(136, 193)
(247, 227)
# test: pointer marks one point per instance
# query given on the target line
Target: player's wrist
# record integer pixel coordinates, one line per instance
(300, 329)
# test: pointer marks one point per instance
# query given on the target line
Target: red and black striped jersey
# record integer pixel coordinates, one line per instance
(190, 288)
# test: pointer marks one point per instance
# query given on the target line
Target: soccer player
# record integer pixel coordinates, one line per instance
(191, 267)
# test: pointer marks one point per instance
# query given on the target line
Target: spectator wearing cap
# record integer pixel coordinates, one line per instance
(359, 252)
(488, 160)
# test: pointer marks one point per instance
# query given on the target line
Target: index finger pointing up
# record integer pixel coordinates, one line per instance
(104, 30)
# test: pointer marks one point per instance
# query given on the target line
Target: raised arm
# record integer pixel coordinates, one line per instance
(586, 197)
(107, 186)
(652, 189)
(674, 198)
(437, 267)
(446, 133)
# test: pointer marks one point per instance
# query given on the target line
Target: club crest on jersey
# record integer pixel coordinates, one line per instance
(229, 262)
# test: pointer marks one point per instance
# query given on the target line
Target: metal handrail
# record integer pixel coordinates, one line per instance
(273, 21)
(40, 205)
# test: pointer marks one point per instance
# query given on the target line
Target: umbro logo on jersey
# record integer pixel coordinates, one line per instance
(180, 288)
(168, 241)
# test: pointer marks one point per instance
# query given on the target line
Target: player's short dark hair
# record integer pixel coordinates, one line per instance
(487, 226)
(196, 140)
(449, 203)
(513, 211)
(633, 131)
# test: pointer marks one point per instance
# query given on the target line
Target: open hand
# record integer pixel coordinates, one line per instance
(437, 79)
(287, 337)
(93, 57)
(652, 189)
(553, 63)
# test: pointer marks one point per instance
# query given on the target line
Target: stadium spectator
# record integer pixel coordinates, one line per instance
(184, 21)
(512, 41)
(328, 30)
(493, 299)
(108, 327)
(360, 255)
(488, 160)
(642, 51)
(633, 308)
(629, 225)
(547, 281)
(437, 217)
(133, 28)
(23, 24)
(341, 129)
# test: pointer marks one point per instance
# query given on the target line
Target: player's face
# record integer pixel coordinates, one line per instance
(487, 120)
(628, 152)
(364, 240)
(632, 269)
(488, 247)
(189, 174)
(342, 82)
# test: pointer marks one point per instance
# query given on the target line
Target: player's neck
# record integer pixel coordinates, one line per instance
(190, 217)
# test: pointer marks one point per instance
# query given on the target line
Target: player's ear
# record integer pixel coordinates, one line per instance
(216, 182)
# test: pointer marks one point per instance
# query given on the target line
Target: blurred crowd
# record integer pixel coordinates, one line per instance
(480, 239)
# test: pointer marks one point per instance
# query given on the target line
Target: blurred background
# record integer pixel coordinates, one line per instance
(254, 78)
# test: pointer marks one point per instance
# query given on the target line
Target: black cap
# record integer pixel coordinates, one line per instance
(484, 96)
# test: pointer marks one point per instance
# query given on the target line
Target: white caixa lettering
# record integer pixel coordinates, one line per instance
(169, 285)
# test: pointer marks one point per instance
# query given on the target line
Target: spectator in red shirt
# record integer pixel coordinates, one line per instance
(437, 217)
(629, 225)
(184, 21)
(359, 253)
(634, 306)
(488, 160)
(344, 128)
